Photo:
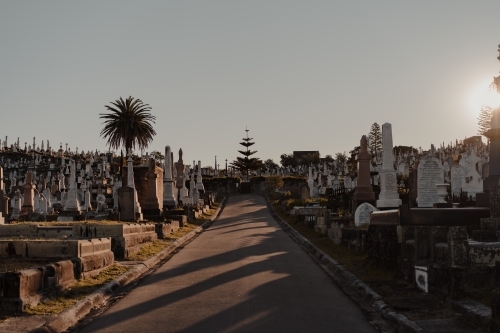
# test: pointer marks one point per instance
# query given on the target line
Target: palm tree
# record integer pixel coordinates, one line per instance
(128, 124)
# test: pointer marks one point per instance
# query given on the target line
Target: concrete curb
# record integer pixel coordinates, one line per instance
(343, 277)
(70, 317)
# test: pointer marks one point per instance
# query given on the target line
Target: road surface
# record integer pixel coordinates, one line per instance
(243, 274)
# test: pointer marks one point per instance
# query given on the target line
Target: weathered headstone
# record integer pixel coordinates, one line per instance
(152, 205)
(430, 173)
(362, 214)
(389, 196)
(457, 179)
(169, 197)
(364, 191)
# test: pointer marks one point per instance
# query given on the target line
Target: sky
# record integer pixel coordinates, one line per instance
(302, 75)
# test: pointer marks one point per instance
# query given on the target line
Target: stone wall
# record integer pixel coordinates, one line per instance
(27, 248)
(141, 183)
(222, 186)
(126, 238)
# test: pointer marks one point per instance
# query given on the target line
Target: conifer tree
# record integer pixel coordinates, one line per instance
(247, 163)
(375, 138)
(484, 119)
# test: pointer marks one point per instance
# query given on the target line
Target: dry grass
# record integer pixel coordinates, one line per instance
(83, 288)
(356, 263)
(68, 224)
(207, 215)
(150, 249)
(18, 264)
(76, 292)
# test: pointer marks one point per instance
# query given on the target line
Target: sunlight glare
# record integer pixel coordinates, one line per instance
(484, 94)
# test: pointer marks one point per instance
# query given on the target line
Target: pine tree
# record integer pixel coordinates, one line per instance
(247, 163)
(484, 119)
(375, 138)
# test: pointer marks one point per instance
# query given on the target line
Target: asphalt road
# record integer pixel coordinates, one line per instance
(243, 274)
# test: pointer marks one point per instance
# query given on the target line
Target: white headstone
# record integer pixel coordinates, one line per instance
(430, 173)
(362, 214)
(457, 179)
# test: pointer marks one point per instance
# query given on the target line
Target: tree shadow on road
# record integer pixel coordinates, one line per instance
(261, 285)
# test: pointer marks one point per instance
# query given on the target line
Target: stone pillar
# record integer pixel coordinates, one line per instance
(87, 197)
(389, 196)
(199, 179)
(72, 204)
(169, 198)
(364, 191)
(310, 183)
(4, 199)
(130, 209)
(181, 181)
(28, 195)
(151, 205)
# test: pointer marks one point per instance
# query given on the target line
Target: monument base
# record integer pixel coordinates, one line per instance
(70, 213)
(389, 203)
(442, 205)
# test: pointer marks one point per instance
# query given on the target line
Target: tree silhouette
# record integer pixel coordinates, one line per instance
(375, 138)
(247, 163)
(128, 124)
(484, 119)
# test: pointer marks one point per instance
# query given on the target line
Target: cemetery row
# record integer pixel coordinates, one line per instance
(422, 230)
(79, 190)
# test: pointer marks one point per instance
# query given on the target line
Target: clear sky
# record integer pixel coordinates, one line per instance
(302, 75)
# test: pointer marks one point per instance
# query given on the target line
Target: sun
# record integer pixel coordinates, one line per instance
(484, 93)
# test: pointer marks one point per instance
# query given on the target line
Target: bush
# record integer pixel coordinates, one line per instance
(274, 182)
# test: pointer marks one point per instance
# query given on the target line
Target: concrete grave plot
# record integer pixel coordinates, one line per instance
(88, 256)
(29, 286)
(34, 230)
(127, 239)
(165, 229)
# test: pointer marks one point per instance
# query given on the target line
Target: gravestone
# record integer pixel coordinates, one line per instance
(101, 202)
(348, 182)
(364, 191)
(457, 179)
(169, 197)
(305, 193)
(151, 205)
(362, 214)
(389, 196)
(430, 173)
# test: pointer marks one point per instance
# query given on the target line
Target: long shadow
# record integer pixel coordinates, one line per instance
(291, 293)
(240, 229)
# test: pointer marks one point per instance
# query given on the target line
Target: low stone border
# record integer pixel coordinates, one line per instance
(70, 317)
(474, 312)
(342, 276)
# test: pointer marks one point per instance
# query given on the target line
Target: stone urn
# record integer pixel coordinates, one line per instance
(442, 192)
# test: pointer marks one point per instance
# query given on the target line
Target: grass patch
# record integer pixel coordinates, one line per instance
(18, 264)
(150, 249)
(207, 215)
(356, 263)
(76, 292)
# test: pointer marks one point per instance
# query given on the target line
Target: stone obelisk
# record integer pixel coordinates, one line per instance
(131, 184)
(389, 196)
(199, 179)
(364, 191)
(169, 197)
(72, 204)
